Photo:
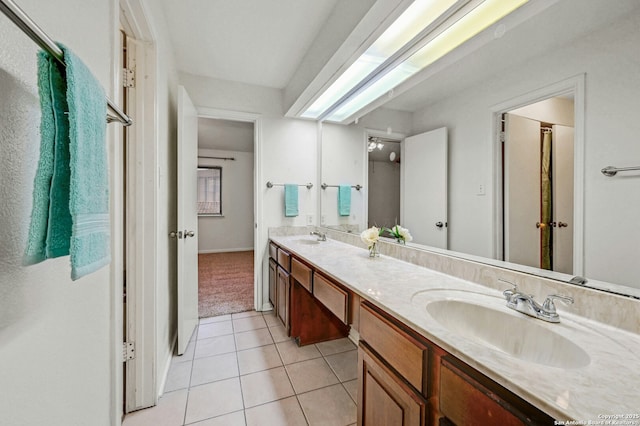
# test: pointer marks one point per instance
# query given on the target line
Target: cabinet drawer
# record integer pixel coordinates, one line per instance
(284, 260)
(468, 397)
(331, 296)
(273, 251)
(302, 273)
(403, 352)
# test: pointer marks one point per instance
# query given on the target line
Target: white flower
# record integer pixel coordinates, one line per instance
(401, 233)
(404, 233)
(370, 236)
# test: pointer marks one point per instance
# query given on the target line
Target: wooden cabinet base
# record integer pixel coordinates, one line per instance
(310, 321)
(383, 397)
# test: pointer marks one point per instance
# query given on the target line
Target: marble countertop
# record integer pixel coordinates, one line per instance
(606, 386)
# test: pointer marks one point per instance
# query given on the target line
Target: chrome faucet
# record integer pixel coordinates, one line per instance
(321, 236)
(527, 305)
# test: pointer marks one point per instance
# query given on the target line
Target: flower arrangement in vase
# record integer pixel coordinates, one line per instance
(370, 237)
(401, 234)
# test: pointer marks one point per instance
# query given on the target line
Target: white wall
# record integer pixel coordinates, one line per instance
(234, 230)
(343, 157)
(56, 335)
(612, 90)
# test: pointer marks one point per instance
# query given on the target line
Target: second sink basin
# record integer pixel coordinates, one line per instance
(309, 242)
(482, 320)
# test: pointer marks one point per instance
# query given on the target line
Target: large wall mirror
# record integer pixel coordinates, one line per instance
(578, 57)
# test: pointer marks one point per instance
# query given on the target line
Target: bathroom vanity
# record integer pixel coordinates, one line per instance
(438, 350)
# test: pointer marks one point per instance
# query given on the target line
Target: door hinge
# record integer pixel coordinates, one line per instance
(128, 78)
(128, 351)
(502, 137)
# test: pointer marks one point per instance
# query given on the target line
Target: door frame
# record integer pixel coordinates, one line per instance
(573, 85)
(141, 386)
(260, 235)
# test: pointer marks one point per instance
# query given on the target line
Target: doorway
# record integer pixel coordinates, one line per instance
(226, 219)
(538, 176)
(383, 182)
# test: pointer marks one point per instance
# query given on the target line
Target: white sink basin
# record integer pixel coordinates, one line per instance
(482, 319)
(309, 242)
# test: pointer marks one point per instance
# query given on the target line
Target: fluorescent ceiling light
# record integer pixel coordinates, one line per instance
(413, 20)
(465, 24)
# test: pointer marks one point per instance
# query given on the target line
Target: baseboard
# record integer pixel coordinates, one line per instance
(224, 250)
(267, 307)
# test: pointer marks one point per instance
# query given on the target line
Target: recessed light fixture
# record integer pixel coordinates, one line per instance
(425, 32)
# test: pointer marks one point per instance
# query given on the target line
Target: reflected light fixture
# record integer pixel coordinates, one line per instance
(425, 32)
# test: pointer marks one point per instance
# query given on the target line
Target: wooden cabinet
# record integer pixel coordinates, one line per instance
(403, 352)
(334, 298)
(466, 397)
(283, 294)
(302, 274)
(384, 398)
(273, 266)
(401, 372)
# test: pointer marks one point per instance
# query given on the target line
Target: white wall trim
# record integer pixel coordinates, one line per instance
(260, 235)
(142, 376)
(576, 86)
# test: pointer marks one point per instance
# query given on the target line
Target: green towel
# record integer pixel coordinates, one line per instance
(344, 200)
(51, 238)
(70, 212)
(290, 200)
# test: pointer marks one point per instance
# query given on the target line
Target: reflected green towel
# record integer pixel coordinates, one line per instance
(344, 200)
(290, 200)
(71, 191)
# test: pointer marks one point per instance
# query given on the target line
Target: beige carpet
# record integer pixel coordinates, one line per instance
(225, 283)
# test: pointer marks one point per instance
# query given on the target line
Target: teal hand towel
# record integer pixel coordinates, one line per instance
(50, 230)
(70, 212)
(290, 200)
(344, 200)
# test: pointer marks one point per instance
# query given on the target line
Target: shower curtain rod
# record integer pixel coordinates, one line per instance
(30, 28)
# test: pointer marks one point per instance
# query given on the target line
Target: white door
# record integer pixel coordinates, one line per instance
(563, 199)
(423, 198)
(522, 190)
(187, 219)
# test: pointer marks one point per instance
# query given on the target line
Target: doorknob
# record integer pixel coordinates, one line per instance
(174, 234)
(562, 224)
(439, 224)
(189, 233)
(541, 225)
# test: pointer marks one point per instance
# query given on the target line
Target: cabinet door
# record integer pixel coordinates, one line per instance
(282, 297)
(272, 283)
(383, 398)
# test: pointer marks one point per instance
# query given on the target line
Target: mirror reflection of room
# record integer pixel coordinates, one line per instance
(384, 182)
(538, 184)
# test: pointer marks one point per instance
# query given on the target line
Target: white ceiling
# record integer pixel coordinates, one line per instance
(263, 42)
(259, 42)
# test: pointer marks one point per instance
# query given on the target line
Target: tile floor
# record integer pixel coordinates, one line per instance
(242, 369)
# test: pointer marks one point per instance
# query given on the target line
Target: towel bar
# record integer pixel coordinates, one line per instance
(30, 28)
(611, 171)
(271, 184)
(325, 186)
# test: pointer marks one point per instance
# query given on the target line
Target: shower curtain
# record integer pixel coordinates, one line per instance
(546, 248)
